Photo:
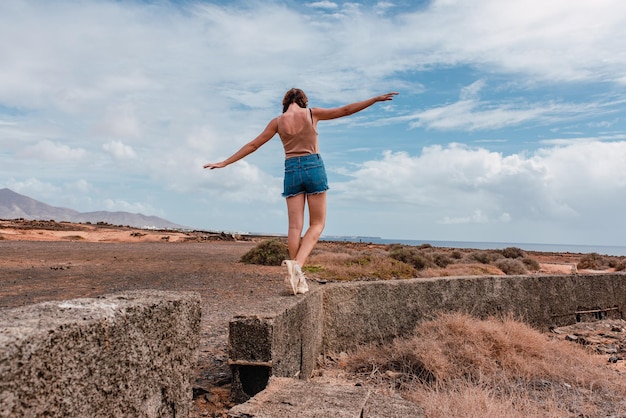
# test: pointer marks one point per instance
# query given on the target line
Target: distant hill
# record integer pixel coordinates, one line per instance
(14, 205)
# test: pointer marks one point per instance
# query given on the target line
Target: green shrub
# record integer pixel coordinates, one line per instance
(511, 266)
(267, 253)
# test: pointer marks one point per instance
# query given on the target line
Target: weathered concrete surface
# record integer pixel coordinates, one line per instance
(357, 313)
(124, 355)
(285, 344)
(285, 397)
(339, 317)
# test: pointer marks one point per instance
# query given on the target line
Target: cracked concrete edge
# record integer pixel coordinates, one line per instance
(285, 397)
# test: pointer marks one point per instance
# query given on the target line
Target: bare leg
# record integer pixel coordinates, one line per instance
(317, 221)
(295, 212)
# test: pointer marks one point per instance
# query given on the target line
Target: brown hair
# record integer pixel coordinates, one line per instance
(295, 96)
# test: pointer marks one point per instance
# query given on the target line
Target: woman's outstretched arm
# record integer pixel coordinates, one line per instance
(349, 109)
(268, 133)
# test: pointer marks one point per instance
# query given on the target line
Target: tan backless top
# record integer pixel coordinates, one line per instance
(304, 142)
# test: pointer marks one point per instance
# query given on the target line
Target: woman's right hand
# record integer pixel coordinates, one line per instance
(212, 166)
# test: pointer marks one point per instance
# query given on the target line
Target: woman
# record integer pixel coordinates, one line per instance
(305, 176)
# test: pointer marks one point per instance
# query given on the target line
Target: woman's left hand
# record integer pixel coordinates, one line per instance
(386, 97)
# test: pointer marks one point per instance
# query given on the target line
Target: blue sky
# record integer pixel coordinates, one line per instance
(509, 126)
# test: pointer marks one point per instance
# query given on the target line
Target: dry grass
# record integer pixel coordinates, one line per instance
(457, 365)
(350, 261)
(361, 261)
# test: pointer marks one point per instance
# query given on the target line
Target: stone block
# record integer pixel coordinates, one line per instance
(130, 354)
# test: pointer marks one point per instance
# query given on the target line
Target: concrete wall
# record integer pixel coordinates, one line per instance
(357, 313)
(283, 345)
(339, 317)
(124, 355)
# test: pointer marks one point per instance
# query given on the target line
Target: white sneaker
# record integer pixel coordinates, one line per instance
(302, 286)
(292, 278)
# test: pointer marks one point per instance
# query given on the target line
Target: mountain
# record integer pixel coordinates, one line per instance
(14, 205)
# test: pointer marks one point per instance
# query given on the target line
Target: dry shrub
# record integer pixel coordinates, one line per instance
(457, 365)
(355, 264)
(412, 256)
(513, 252)
(593, 261)
(511, 266)
(268, 253)
(531, 264)
(485, 257)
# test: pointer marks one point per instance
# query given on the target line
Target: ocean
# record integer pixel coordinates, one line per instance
(552, 248)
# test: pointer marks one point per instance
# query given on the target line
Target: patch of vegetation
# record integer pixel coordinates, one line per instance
(349, 263)
(313, 269)
(513, 252)
(268, 253)
(412, 256)
(74, 237)
(459, 366)
(620, 265)
(485, 257)
(511, 266)
(592, 261)
(531, 264)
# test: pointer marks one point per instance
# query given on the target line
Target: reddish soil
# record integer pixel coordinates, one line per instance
(47, 261)
(42, 261)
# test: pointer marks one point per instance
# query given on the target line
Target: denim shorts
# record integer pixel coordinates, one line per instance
(305, 174)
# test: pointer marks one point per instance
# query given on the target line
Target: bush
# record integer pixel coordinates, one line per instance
(511, 266)
(485, 257)
(410, 256)
(513, 252)
(457, 255)
(267, 253)
(592, 261)
(531, 264)
(442, 260)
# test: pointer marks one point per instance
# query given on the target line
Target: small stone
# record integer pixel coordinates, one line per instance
(613, 359)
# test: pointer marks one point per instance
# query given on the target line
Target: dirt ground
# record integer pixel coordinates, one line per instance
(42, 261)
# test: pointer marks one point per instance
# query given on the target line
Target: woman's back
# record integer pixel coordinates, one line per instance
(297, 132)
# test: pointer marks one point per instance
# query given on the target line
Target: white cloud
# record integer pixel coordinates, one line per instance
(457, 184)
(562, 40)
(241, 182)
(190, 82)
(121, 205)
(323, 4)
(119, 150)
(119, 121)
(471, 113)
(47, 150)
